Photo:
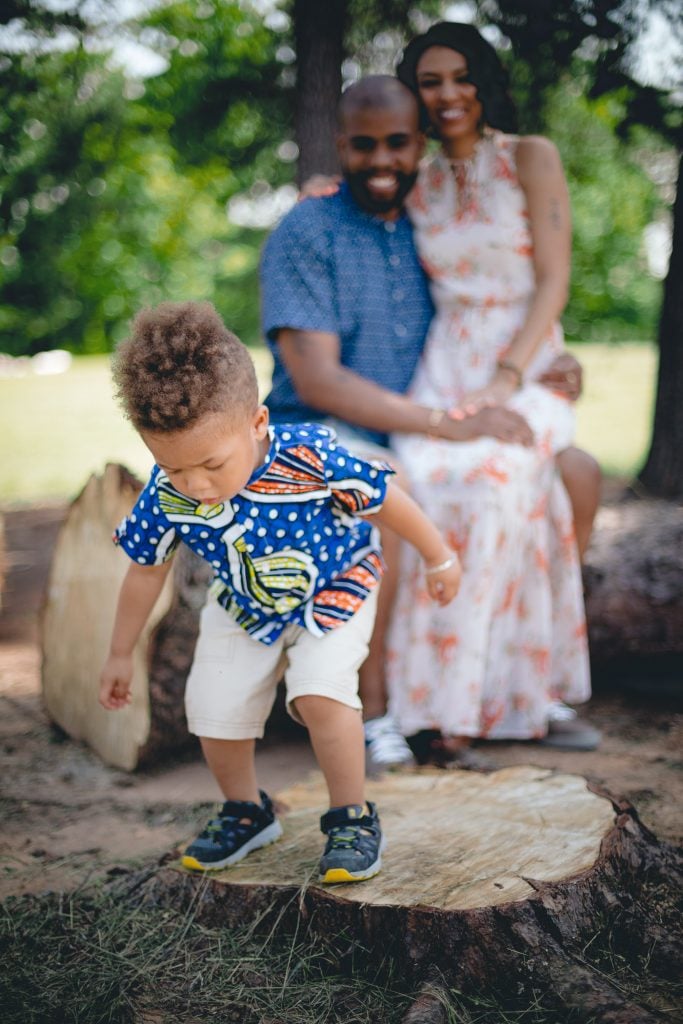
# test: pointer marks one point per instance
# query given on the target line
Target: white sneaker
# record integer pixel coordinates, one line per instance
(559, 712)
(566, 731)
(385, 746)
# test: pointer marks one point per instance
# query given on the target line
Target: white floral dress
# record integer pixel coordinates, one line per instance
(514, 639)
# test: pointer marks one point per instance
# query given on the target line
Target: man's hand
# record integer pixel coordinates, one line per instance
(565, 376)
(497, 421)
(115, 681)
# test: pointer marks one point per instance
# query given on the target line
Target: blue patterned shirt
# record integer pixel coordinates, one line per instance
(289, 548)
(330, 266)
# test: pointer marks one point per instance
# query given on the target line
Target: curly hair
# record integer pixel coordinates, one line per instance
(485, 71)
(180, 363)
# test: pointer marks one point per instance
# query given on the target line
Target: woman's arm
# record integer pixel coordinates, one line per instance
(542, 178)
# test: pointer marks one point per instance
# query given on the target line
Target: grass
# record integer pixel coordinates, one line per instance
(90, 956)
(58, 430)
(96, 956)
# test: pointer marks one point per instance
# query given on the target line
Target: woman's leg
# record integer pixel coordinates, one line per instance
(582, 478)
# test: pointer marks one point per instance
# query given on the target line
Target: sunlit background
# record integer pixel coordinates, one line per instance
(147, 148)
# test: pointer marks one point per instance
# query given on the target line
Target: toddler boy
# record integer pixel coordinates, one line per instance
(279, 513)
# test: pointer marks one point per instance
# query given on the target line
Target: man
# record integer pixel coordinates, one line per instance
(346, 310)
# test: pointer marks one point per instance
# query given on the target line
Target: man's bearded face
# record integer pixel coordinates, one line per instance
(379, 150)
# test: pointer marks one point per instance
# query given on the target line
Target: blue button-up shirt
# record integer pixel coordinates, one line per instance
(330, 266)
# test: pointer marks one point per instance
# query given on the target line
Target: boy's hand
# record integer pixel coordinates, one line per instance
(115, 681)
(443, 579)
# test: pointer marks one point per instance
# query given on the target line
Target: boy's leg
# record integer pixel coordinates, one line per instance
(230, 692)
(336, 732)
(231, 762)
(322, 690)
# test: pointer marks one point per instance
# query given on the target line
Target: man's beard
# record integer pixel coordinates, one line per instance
(357, 186)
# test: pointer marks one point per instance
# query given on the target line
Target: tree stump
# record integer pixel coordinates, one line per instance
(497, 883)
(633, 578)
(76, 623)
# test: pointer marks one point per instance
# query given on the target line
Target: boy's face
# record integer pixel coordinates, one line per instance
(212, 459)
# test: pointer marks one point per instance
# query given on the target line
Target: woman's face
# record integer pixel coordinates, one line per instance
(448, 95)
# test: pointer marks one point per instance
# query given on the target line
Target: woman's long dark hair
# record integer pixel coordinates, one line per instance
(485, 70)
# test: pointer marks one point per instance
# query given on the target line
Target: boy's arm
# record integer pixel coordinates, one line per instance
(141, 587)
(402, 515)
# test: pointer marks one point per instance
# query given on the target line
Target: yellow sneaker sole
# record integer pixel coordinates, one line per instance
(336, 875)
(194, 865)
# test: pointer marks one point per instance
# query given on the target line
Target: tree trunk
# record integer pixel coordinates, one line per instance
(633, 579)
(509, 885)
(319, 40)
(76, 623)
(662, 474)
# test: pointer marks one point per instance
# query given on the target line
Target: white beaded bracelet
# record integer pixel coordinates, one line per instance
(440, 568)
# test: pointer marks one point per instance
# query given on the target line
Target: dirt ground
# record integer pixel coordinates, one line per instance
(67, 818)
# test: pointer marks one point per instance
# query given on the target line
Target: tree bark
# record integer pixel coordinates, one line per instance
(518, 886)
(633, 581)
(662, 474)
(319, 40)
(76, 623)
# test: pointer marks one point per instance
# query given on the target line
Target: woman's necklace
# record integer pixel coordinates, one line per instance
(464, 171)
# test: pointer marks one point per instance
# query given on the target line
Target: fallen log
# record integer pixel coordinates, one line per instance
(633, 578)
(511, 884)
(76, 623)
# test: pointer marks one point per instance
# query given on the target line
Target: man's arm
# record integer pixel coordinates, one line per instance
(312, 359)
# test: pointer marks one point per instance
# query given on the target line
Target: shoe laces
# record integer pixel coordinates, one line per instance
(344, 837)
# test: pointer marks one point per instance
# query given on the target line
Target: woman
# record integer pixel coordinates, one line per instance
(492, 226)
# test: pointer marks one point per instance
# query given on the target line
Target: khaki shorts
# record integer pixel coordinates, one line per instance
(231, 687)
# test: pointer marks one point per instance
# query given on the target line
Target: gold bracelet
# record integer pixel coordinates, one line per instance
(434, 422)
(505, 364)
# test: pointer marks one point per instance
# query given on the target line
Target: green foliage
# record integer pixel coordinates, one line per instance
(113, 198)
(113, 193)
(613, 295)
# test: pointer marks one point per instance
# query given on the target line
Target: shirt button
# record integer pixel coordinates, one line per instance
(400, 330)
(399, 294)
(395, 260)
(389, 226)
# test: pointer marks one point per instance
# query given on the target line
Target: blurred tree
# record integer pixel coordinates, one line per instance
(662, 474)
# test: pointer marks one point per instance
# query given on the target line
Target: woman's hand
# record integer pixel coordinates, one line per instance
(497, 392)
(115, 681)
(320, 185)
(443, 578)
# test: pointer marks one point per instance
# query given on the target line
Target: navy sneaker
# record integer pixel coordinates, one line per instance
(229, 837)
(353, 851)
